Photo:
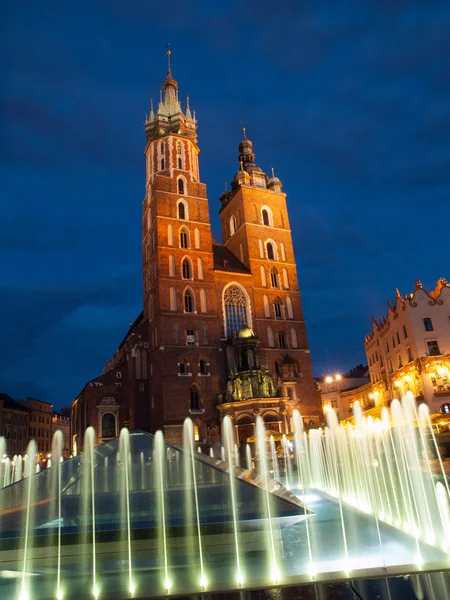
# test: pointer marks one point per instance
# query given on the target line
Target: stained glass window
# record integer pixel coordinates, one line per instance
(235, 303)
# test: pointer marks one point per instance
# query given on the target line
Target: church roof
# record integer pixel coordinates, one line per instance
(225, 260)
(133, 326)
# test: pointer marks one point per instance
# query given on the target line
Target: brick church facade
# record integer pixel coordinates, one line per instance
(222, 329)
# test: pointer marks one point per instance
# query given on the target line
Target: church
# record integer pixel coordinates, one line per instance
(222, 330)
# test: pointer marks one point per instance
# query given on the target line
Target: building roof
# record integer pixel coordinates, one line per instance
(12, 404)
(37, 400)
(132, 327)
(225, 260)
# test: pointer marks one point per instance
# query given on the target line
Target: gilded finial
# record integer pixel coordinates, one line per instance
(168, 52)
(273, 172)
(243, 133)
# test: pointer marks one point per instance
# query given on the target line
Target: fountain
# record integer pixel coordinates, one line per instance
(140, 514)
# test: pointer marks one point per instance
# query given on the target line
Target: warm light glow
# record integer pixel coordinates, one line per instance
(240, 578)
(407, 378)
(168, 584)
(338, 377)
(371, 396)
(132, 589)
(59, 595)
(275, 574)
(442, 371)
(397, 384)
(96, 592)
(203, 581)
(328, 379)
(326, 408)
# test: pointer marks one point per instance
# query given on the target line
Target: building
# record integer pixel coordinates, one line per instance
(62, 424)
(342, 391)
(409, 349)
(40, 425)
(204, 301)
(14, 422)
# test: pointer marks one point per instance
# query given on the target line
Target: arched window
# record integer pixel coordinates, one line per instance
(233, 225)
(171, 265)
(285, 279)
(270, 252)
(186, 268)
(183, 367)
(173, 299)
(179, 148)
(188, 301)
(180, 186)
(162, 148)
(289, 308)
(203, 304)
(263, 276)
(261, 249)
(176, 333)
(283, 252)
(266, 216)
(197, 238)
(275, 278)
(182, 210)
(170, 239)
(282, 341)
(266, 306)
(235, 309)
(294, 338)
(201, 271)
(270, 337)
(180, 163)
(162, 164)
(179, 158)
(203, 367)
(109, 426)
(277, 309)
(195, 398)
(184, 238)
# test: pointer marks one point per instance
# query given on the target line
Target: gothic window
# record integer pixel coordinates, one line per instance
(173, 299)
(263, 276)
(266, 306)
(171, 266)
(197, 238)
(270, 337)
(203, 367)
(188, 301)
(235, 308)
(180, 166)
(275, 278)
(170, 238)
(195, 398)
(190, 337)
(201, 271)
(265, 217)
(285, 279)
(182, 211)
(270, 252)
(162, 164)
(294, 338)
(233, 225)
(162, 148)
(289, 308)
(186, 268)
(282, 339)
(109, 425)
(203, 304)
(184, 238)
(277, 309)
(180, 185)
(261, 249)
(283, 252)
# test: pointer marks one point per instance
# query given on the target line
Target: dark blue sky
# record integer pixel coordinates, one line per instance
(349, 101)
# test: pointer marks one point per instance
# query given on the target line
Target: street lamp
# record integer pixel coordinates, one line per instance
(328, 379)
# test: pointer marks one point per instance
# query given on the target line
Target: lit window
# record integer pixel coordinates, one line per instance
(235, 304)
(433, 348)
(196, 433)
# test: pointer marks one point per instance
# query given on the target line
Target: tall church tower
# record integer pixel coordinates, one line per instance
(255, 227)
(179, 290)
